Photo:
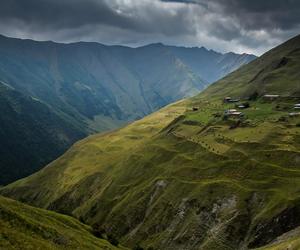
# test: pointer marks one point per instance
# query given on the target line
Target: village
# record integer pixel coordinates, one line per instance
(213, 125)
(236, 113)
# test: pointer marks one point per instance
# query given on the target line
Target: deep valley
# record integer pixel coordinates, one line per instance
(219, 170)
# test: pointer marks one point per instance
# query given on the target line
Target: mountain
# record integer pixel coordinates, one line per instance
(208, 64)
(31, 133)
(86, 87)
(26, 227)
(86, 80)
(276, 72)
(188, 176)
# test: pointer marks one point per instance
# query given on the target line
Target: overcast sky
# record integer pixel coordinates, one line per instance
(251, 26)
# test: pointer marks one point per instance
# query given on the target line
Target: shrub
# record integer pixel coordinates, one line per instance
(138, 247)
(246, 104)
(98, 231)
(112, 240)
(253, 96)
(81, 219)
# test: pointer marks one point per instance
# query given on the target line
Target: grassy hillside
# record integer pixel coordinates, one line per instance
(276, 72)
(32, 134)
(187, 177)
(26, 227)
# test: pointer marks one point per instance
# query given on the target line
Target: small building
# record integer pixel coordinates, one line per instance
(297, 106)
(228, 99)
(243, 105)
(271, 97)
(230, 111)
(234, 100)
(233, 113)
(236, 114)
(293, 114)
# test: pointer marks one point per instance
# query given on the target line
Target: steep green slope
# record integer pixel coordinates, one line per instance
(31, 134)
(186, 177)
(26, 227)
(276, 72)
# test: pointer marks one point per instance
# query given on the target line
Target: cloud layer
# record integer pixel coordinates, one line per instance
(232, 25)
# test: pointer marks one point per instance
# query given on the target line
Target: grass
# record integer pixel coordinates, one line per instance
(104, 123)
(114, 176)
(26, 227)
(264, 75)
(183, 179)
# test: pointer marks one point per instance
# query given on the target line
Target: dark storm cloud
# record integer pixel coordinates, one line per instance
(63, 13)
(68, 14)
(257, 14)
(237, 25)
(255, 24)
(252, 14)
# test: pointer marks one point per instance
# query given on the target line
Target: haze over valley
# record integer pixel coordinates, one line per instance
(55, 94)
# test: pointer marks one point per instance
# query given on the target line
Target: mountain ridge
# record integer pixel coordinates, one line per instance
(123, 46)
(188, 176)
(91, 87)
(256, 73)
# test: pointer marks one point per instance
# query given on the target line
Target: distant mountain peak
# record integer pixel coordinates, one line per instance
(89, 87)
